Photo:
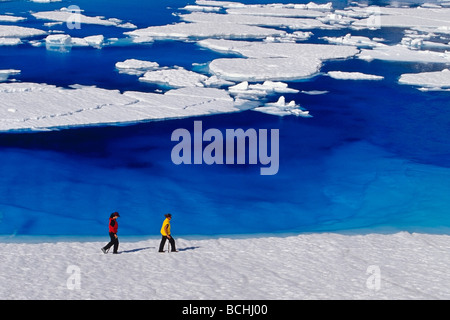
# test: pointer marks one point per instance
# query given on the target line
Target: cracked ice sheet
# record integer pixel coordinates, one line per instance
(32, 106)
(272, 61)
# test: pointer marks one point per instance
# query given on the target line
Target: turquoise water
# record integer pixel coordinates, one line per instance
(375, 156)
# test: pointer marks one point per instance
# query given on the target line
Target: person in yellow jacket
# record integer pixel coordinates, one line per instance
(165, 232)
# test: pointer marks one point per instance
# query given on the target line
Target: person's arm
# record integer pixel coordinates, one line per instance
(166, 229)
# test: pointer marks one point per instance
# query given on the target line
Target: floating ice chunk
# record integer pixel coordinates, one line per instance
(5, 74)
(64, 42)
(95, 41)
(8, 18)
(242, 90)
(280, 108)
(290, 37)
(272, 61)
(261, 69)
(217, 82)
(273, 86)
(194, 8)
(64, 15)
(437, 79)
(402, 53)
(10, 41)
(315, 92)
(353, 76)
(404, 17)
(336, 19)
(358, 41)
(413, 43)
(292, 23)
(277, 11)
(19, 32)
(136, 67)
(203, 30)
(79, 42)
(41, 106)
(174, 78)
(59, 39)
(45, 1)
(223, 4)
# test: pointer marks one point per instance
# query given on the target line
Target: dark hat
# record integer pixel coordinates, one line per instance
(115, 214)
(168, 215)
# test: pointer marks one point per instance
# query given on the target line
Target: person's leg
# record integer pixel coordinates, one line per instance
(116, 244)
(163, 242)
(172, 243)
(111, 242)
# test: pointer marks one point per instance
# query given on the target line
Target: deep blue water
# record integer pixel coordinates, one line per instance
(375, 156)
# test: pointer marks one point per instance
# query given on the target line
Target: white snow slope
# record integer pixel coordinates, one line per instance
(308, 266)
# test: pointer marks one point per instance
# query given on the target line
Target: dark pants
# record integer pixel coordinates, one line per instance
(163, 242)
(114, 241)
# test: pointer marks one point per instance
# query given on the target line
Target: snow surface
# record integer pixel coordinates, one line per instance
(307, 266)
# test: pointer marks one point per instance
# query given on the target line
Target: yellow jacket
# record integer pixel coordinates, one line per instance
(163, 228)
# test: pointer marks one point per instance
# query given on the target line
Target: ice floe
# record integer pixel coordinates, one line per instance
(9, 18)
(63, 42)
(136, 67)
(254, 20)
(175, 77)
(404, 17)
(357, 41)
(5, 74)
(182, 31)
(340, 75)
(65, 15)
(272, 61)
(42, 106)
(430, 80)
(244, 89)
(402, 53)
(9, 31)
(10, 41)
(281, 108)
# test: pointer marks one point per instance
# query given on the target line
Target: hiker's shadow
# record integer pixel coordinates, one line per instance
(188, 248)
(138, 249)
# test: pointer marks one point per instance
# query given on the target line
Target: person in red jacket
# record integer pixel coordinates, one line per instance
(113, 226)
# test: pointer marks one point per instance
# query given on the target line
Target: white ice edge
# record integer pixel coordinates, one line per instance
(66, 16)
(340, 75)
(41, 106)
(430, 80)
(306, 266)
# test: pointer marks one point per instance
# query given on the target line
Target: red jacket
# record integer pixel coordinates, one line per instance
(113, 225)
